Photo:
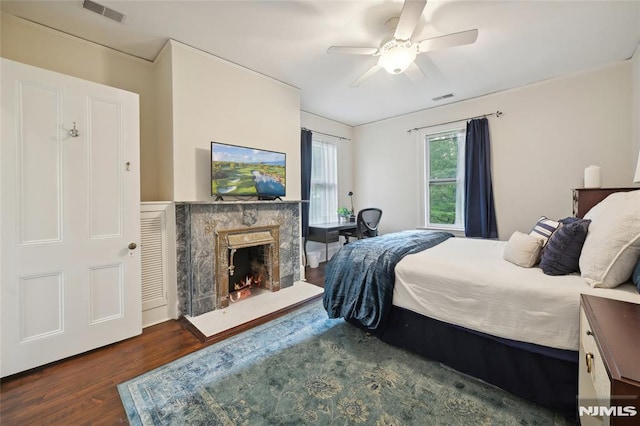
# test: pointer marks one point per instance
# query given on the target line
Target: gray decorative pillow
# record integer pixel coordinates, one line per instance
(561, 255)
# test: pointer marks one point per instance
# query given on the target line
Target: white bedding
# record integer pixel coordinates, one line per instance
(468, 283)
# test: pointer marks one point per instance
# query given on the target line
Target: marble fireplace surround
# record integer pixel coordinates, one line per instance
(197, 224)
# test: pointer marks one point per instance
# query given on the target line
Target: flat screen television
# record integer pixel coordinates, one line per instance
(243, 171)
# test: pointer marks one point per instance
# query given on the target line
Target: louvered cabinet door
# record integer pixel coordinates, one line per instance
(153, 235)
(158, 259)
(158, 262)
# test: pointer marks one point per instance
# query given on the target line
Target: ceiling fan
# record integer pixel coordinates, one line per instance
(397, 54)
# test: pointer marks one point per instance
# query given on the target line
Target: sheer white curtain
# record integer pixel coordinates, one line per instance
(323, 203)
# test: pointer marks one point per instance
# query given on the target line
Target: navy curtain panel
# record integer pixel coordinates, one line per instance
(480, 212)
(305, 165)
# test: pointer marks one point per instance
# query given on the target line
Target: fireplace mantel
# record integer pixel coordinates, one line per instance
(198, 222)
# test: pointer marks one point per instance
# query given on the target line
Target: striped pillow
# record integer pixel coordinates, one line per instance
(544, 228)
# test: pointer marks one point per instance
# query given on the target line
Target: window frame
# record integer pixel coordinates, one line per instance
(426, 181)
(330, 214)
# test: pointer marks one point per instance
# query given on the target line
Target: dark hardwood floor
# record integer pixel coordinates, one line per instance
(315, 275)
(82, 390)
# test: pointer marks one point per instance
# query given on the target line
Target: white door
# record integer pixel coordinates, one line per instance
(70, 210)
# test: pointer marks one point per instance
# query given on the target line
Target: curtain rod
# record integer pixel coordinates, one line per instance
(342, 138)
(497, 114)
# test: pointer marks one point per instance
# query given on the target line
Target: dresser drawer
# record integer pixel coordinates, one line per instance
(592, 363)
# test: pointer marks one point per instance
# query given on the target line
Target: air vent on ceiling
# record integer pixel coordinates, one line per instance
(439, 98)
(103, 10)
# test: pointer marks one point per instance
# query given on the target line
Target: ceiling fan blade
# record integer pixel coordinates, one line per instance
(409, 17)
(415, 73)
(369, 73)
(344, 50)
(449, 40)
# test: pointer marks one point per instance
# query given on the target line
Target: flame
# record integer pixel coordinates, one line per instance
(248, 281)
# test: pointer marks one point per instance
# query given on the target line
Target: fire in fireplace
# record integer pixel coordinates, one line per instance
(248, 268)
(246, 258)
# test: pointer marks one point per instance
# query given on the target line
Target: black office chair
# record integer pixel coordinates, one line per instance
(366, 225)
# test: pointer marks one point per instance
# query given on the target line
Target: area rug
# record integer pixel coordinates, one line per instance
(303, 368)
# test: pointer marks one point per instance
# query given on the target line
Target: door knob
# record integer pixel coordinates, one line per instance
(132, 246)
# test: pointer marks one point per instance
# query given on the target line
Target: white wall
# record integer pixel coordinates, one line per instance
(163, 82)
(216, 100)
(548, 134)
(36, 45)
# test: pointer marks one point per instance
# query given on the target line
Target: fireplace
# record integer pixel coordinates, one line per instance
(247, 258)
(207, 233)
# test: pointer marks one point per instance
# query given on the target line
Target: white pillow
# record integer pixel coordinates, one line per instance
(523, 249)
(612, 247)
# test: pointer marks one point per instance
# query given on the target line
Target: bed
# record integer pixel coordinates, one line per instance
(459, 302)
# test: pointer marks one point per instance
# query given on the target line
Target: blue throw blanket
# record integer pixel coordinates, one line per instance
(359, 279)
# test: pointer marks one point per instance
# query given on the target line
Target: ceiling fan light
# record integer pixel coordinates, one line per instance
(397, 59)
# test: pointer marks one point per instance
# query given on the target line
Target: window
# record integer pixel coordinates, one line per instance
(444, 188)
(323, 203)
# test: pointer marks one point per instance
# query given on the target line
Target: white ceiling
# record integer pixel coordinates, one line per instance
(519, 42)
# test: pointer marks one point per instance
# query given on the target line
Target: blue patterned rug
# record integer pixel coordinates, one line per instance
(303, 368)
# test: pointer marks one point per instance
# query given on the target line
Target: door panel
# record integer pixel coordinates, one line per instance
(106, 293)
(38, 163)
(40, 306)
(70, 207)
(105, 164)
